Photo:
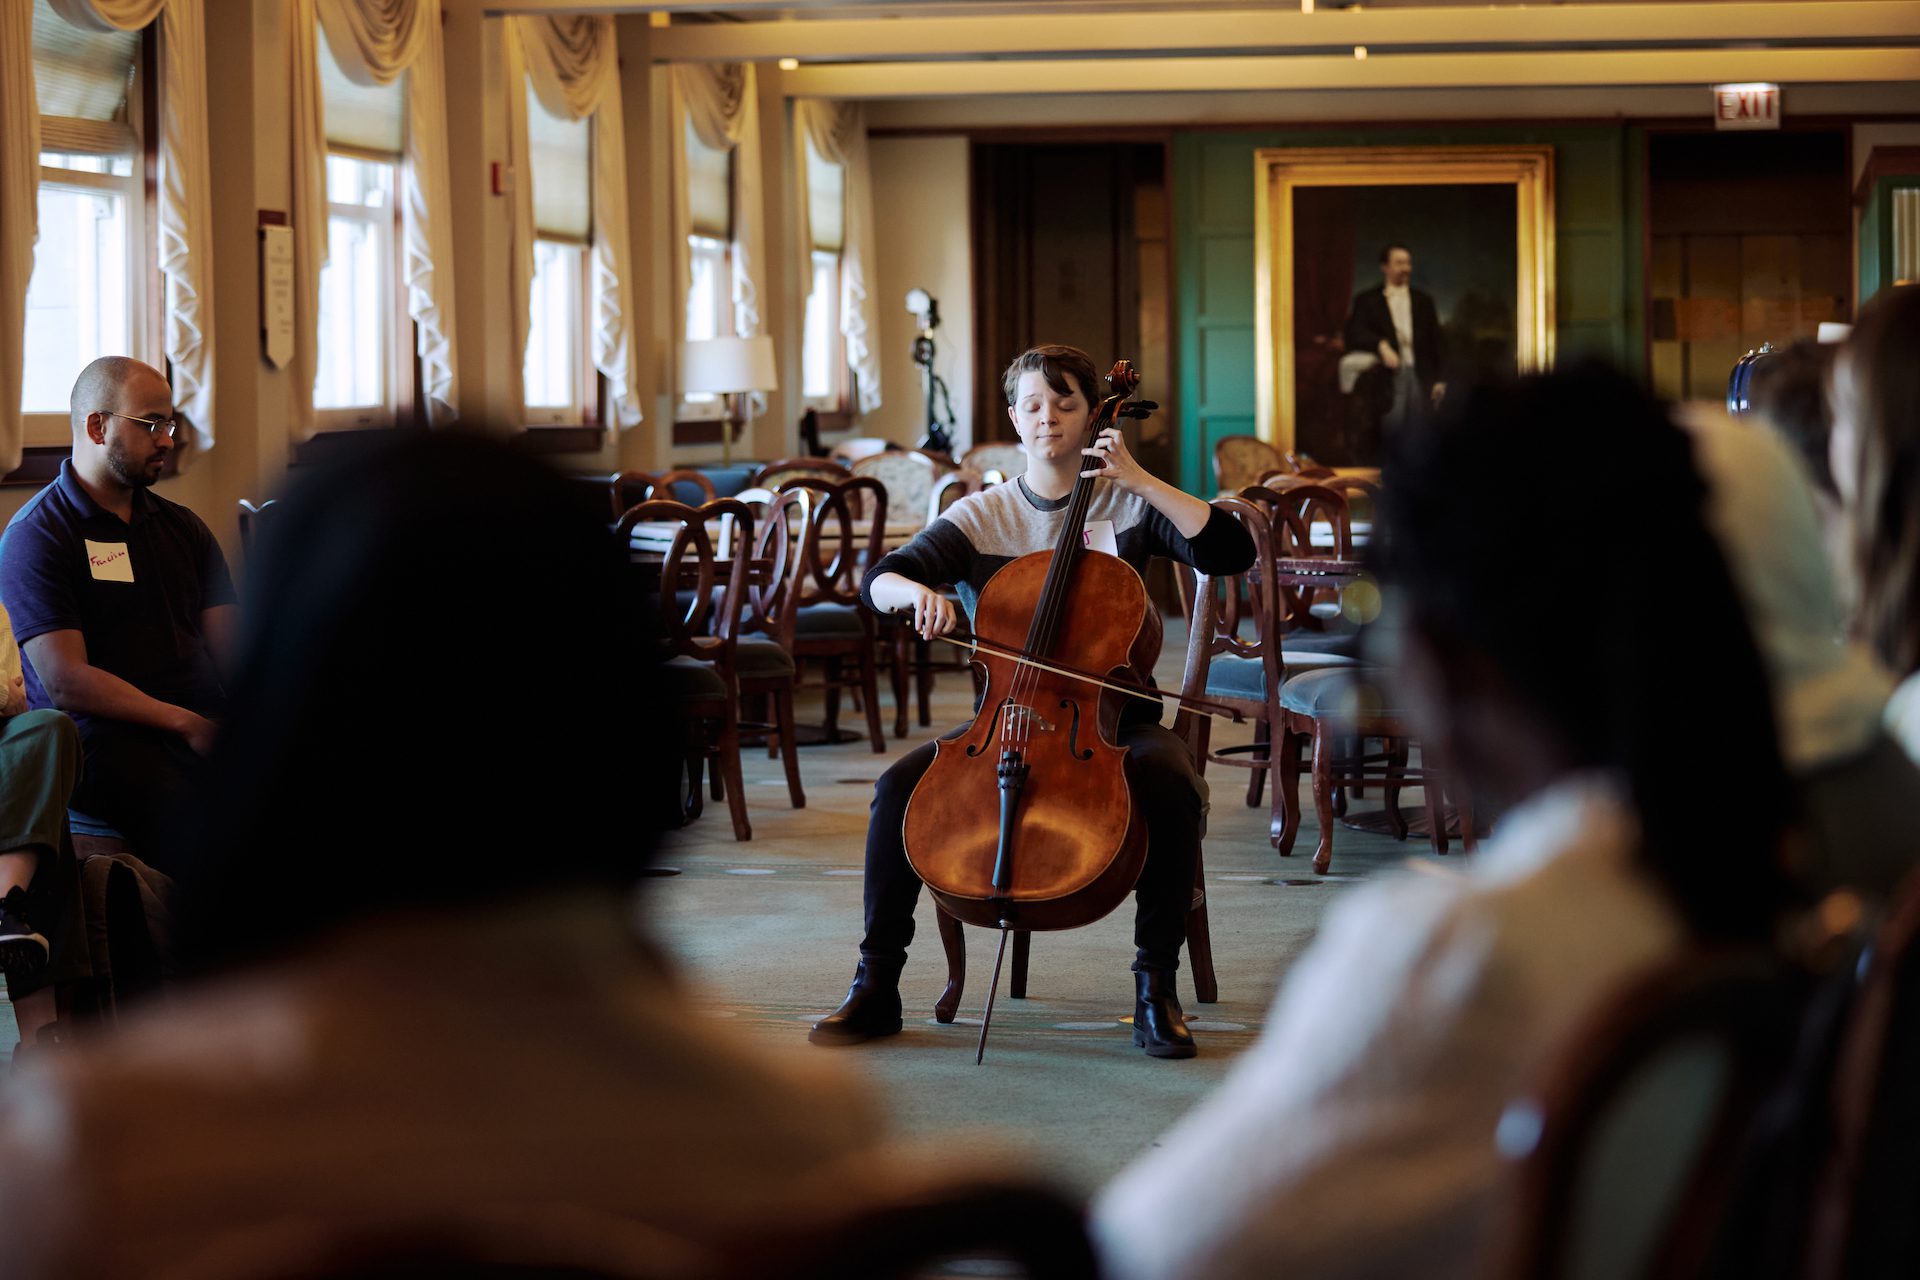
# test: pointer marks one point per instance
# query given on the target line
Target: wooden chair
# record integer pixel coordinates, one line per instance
(951, 487)
(908, 476)
(775, 474)
(1003, 461)
(254, 521)
(953, 941)
(1335, 712)
(914, 659)
(814, 609)
(1866, 1224)
(1238, 461)
(1310, 617)
(682, 484)
(1625, 1153)
(1234, 656)
(700, 633)
(850, 451)
(767, 674)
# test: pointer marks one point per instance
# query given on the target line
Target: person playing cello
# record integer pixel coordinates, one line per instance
(1134, 515)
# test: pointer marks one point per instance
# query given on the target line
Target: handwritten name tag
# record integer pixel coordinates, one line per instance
(109, 561)
(1098, 536)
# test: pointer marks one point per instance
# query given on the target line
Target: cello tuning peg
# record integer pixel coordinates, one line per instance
(1138, 409)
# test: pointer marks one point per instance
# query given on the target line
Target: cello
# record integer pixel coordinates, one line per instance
(1025, 820)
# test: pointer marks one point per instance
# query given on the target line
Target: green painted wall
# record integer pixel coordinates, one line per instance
(1876, 235)
(1598, 220)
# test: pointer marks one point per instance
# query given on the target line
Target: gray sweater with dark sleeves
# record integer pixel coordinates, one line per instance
(978, 534)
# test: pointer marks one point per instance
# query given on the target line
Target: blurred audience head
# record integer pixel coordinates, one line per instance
(1875, 397)
(1789, 393)
(1828, 695)
(1580, 617)
(436, 702)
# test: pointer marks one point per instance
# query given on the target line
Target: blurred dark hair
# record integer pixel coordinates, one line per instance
(1386, 250)
(437, 702)
(1883, 356)
(1054, 362)
(1789, 393)
(1547, 576)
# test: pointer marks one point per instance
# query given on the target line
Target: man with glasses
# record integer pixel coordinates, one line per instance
(123, 606)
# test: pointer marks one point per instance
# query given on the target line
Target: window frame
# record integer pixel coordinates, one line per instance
(588, 388)
(401, 374)
(702, 412)
(146, 286)
(834, 408)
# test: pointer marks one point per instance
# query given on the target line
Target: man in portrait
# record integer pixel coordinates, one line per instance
(1395, 355)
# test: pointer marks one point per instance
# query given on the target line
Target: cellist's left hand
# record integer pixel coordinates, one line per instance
(1121, 467)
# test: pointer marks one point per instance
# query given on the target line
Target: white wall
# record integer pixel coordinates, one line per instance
(923, 239)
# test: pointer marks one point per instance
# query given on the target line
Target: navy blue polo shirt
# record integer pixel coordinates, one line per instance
(134, 589)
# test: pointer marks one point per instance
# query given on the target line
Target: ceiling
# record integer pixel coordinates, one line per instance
(943, 48)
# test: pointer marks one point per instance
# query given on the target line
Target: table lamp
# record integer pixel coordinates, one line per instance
(730, 367)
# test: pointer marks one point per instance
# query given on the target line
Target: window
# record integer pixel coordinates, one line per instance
(823, 348)
(93, 263)
(357, 378)
(558, 370)
(709, 260)
(364, 374)
(558, 380)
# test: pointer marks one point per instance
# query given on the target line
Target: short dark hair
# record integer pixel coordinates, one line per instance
(380, 733)
(1886, 471)
(1386, 250)
(1517, 586)
(1788, 391)
(1055, 363)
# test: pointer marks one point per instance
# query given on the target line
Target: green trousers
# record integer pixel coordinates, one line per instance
(39, 767)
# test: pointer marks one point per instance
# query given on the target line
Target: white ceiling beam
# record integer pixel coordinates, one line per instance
(1399, 71)
(1273, 29)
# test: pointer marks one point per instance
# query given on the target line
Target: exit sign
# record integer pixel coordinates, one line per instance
(1746, 106)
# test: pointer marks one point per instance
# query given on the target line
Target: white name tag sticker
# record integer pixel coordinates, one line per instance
(1098, 536)
(109, 561)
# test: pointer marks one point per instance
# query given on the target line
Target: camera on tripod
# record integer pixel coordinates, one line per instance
(924, 307)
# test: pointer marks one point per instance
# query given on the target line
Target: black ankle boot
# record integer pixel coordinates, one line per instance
(871, 1009)
(1158, 1023)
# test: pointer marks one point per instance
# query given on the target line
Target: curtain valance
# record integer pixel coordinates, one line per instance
(573, 63)
(376, 41)
(720, 104)
(838, 132)
(185, 199)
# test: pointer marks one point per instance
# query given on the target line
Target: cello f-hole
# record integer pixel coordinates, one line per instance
(1073, 733)
(986, 739)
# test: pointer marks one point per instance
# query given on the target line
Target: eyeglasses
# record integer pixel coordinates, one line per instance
(156, 427)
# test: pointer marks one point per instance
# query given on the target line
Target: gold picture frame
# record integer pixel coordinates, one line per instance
(1280, 171)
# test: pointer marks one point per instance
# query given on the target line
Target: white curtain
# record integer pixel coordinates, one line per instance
(838, 132)
(19, 214)
(574, 63)
(186, 197)
(722, 104)
(376, 41)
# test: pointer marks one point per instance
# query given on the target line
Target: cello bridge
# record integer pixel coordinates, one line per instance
(1022, 718)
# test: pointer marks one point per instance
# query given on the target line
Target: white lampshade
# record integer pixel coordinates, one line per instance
(723, 366)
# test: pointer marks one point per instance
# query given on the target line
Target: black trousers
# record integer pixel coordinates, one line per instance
(141, 781)
(1173, 801)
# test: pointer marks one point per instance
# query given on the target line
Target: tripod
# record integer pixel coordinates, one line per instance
(939, 436)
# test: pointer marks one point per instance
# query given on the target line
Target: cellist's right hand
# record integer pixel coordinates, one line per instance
(933, 613)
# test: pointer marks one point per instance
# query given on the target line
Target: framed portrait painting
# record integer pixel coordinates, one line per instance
(1386, 276)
